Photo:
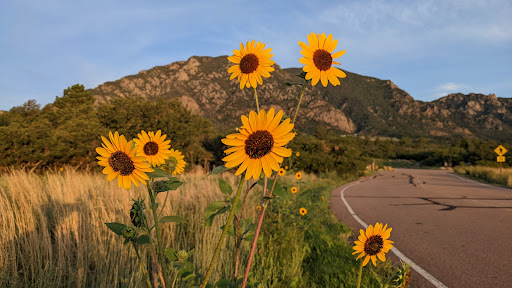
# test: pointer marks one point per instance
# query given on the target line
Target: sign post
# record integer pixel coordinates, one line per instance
(500, 150)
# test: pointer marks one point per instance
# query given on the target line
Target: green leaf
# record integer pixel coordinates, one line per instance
(158, 173)
(166, 185)
(278, 191)
(189, 253)
(212, 208)
(231, 230)
(117, 228)
(186, 268)
(170, 253)
(174, 219)
(144, 239)
(218, 170)
(209, 221)
(225, 187)
(250, 237)
(223, 283)
(189, 277)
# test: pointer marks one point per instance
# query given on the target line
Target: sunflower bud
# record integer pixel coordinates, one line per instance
(137, 215)
(170, 165)
(182, 255)
(129, 233)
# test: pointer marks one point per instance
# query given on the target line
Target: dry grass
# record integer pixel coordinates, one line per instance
(491, 175)
(53, 232)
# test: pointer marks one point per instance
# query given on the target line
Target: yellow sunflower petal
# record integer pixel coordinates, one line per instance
(275, 122)
(321, 41)
(265, 164)
(284, 152)
(369, 231)
(366, 260)
(323, 78)
(256, 171)
(374, 260)
(382, 256)
(338, 54)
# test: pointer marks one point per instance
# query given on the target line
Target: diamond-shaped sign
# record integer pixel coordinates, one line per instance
(500, 150)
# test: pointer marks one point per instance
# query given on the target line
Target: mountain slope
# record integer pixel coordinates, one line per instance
(361, 104)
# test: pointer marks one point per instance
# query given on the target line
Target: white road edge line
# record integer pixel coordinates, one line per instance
(399, 254)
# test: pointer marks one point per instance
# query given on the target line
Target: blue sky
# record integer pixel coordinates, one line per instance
(427, 48)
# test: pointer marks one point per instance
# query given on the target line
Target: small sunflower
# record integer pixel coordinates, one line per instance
(252, 62)
(373, 243)
(285, 167)
(294, 189)
(281, 172)
(303, 211)
(175, 165)
(297, 154)
(319, 60)
(258, 207)
(298, 175)
(118, 157)
(259, 144)
(153, 147)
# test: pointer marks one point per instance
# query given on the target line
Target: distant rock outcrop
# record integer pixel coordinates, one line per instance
(361, 104)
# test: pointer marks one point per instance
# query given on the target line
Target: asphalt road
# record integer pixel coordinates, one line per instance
(456, 229)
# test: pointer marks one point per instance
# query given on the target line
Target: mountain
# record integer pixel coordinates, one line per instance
(361, 104)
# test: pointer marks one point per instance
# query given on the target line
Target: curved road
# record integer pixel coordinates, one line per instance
(456, 229)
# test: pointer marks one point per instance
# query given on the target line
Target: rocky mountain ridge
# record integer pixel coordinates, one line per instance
(360, 105)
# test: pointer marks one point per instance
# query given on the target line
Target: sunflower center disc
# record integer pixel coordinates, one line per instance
(373, 245)
(259, 144)
(150, 148)
(121, 162)
(322, 59)
(249, 63)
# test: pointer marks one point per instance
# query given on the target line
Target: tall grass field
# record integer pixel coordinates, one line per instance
(53, 233)
(488, 174)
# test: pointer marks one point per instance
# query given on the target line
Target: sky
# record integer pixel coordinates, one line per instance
(427, 48)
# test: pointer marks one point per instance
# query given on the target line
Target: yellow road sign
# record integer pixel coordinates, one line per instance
(501, 158)
(500, 150)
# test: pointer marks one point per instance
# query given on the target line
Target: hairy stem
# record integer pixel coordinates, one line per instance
(300, 99)
(256, 97)
(360, 273)
(256, 233)
(224, 232)
(142, 267)
(159, 250)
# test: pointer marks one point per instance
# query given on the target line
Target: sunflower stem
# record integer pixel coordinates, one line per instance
(360, 273)
(148, 280)
(300, 99)
(256, 234)
(224, 232)
(160, 254)
(256, 97)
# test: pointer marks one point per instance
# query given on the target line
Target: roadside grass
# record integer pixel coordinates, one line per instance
(54, 233)
(487, 174)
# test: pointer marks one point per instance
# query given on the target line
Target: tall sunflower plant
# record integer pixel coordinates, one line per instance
(150, 161)
(258, 149)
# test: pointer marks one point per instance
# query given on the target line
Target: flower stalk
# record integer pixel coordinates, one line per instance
(142, 267)
(224, 232)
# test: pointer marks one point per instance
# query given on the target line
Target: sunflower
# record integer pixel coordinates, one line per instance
(153, 147)
(298, 175)
(294, 189)
(118, 157)
(373, 243)
(259, 144)
(281, 172)
(318, 59)
(303, 211)
(297, 154)
(258, 208)
(285, 167)
(175, 165)
(252, 62)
